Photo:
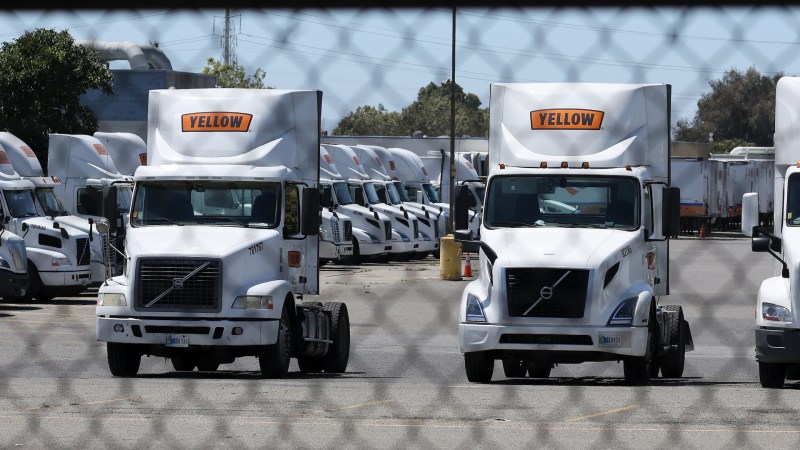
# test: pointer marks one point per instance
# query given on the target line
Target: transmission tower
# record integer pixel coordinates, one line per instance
(228, 37)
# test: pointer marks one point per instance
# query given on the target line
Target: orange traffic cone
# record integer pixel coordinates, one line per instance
(468, 268)
(703, 231)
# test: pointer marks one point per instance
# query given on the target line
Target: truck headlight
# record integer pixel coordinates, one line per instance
(324, 235)
(623, 315)
(474, 309)
(774, 313)
(252, 302)
(111, 299)
(58, 262)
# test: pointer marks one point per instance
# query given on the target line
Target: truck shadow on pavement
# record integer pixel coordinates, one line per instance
(614, 382)
(254, 375)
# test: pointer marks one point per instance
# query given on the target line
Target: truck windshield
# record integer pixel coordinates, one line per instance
(49, 202)
(401, 191)
(342, 194)
(370, 193)
(20, 203)
(430, 191)
(563, 201)
(394, 197)
(225, 203)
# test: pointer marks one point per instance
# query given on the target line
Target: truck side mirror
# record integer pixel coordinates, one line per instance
(310, 216)
(419, 197)
(110, 211)
(750, 214)
(462, 208)
(671, 211)
(760, 244)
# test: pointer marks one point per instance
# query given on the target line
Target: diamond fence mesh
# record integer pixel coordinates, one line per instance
(405, 385)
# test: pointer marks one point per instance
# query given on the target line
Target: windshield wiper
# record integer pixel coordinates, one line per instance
(231, 219)
(515, 224)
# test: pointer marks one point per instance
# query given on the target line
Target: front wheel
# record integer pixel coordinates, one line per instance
(673, 361)
(771, 375)
(183, 363)
(273, 360)
(539, 370)
(638, 369)
(207, 366)
(123, 359)
(335, 361)
(479, 366)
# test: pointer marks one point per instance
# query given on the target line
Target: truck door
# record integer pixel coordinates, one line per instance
(301, 251)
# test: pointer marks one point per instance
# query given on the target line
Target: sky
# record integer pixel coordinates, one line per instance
(371, 57)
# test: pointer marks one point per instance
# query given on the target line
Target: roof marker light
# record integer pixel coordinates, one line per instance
(628, 167)
(502, 166)
(585, 165)
(564, 165)
(543, 165)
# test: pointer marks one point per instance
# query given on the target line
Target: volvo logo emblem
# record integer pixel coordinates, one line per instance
(546, 293)
(177, 283)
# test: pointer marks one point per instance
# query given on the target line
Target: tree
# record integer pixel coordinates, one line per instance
(370, 121)
(42, 76)
(429, 114)
(740, 107)
(234, 75)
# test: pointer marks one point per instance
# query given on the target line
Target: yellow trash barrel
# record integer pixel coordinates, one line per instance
(449, 259)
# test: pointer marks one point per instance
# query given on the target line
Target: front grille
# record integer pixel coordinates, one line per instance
(557, 293)
(547, 339)
(169, 278)
(335, 229)
(83, 252)
(387, 227)
(110, 253)
(416, 229)
(348, 231)
(176, 329)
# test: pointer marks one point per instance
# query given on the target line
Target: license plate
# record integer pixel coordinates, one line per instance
(177, 340)
(609, 340)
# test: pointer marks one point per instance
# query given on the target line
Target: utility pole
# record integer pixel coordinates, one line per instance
(453, 129)
(226, 38)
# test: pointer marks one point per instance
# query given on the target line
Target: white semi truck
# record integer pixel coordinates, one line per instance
(388, 193)
(569, 286)
(404, 225)
(209, 281)
(372, 233)
(777, 332)
(58, 256)
(49, 205)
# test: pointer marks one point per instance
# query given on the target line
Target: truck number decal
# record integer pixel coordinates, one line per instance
(256, 248)
(626, 251)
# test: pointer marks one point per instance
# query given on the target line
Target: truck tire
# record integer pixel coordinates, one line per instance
(539, 370)
(639, 369)
(479, 366)
(273, 360)
(207, 366)
(514, 368)
(183, 363)
(123, 359)
(34, 284)
(771, 375)
(335, 361)
(673, 361)
(309, 365)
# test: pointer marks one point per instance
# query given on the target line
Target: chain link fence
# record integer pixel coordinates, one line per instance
(405, 385)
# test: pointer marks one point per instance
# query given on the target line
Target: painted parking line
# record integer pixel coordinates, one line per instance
(96, 402)
(603, 413)
(343, 408)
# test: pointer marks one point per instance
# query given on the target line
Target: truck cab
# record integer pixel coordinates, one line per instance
(570, 285)
(777, 334)
(58, 257)
(222, 242)
(404, 225)
(390, 194)
(371, 231)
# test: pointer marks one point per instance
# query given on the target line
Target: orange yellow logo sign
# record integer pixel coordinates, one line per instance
(216, 121)
(4, 158)
(566, 119)
(100, 149)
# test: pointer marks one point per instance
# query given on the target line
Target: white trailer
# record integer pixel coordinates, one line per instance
(223, 238)
(405, 226)
(371, 234)
(702, 199)
(567, 287)
(777, 332)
